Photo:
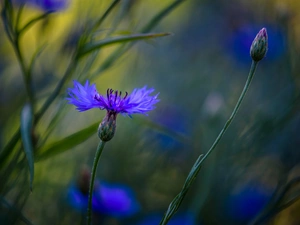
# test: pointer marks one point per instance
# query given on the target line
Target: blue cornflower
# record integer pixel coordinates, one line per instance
(87, 97)
(79, 200)
(184, 218)
(52, 5)
(247, 202)
(116, 200)
(109, 199)
(46, 5)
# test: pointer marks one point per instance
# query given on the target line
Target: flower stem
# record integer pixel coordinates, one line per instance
(174, 205)
(25, 71)
(14, 37)
(94, 170)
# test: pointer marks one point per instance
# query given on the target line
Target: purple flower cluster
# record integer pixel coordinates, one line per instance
(46, 5)
(184, 218)
(115, 200)
(87, 97)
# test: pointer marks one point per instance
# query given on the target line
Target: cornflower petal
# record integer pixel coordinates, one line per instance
(87, 97)
(84, 97)
(140, 101)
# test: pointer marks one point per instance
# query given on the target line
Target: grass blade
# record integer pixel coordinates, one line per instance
(107, 12)
(17, 211)
(37, 53)
(67, 143)
(118, 40)
(33, 21)
(111, 59)
(26, 128)
(158, 17)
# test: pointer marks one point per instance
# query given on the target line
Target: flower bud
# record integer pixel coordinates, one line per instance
(107, 127)
(259, 45)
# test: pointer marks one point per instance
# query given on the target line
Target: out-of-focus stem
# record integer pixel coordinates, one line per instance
(25, 71)
(235, 110)
(56, 91)
(14, 37)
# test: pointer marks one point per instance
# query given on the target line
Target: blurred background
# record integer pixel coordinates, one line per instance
(199, 71)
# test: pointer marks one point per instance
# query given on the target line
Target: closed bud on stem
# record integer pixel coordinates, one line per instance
(259, 45)
(107, 127)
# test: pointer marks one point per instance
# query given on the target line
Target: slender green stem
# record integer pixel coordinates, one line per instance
(33, 21)
(57, 89)
(94, 170)
(106, 13)
(174, 205)
(17, 25)
(14, 37)
(277, 203)
(235, 110)
(17, 211)
(25, 71)
(158, 17)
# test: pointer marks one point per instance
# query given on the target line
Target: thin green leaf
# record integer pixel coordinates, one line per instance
(77, 138)
(9, 147)
(33, 21)
(117, 40)
(54, 121)
(20, 11)
(67, 143)
(111, 59)
(162, 129)
(158, 17)
(6, 22)
(15, 210)
(88, 63)
(33, 59)
(26, 128)
(107, 12)
(278, 201)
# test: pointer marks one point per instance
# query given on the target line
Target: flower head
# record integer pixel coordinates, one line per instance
(87, 97)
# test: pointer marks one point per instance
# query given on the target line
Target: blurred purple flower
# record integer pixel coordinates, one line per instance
(115, 200)
(247, 203)
(46, 5)
(87, 97)
(78, 200)
(178, 219)
(176, 124)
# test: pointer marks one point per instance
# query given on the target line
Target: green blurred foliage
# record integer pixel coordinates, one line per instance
(199, 72)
